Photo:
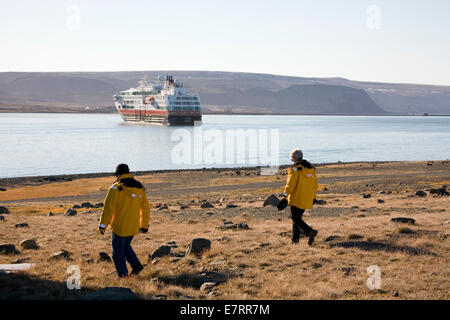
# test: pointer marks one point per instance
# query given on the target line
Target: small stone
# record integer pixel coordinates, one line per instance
(87, 205)
(380, 201)
(320, 202)
(99, 205)
(70, 213)
(50, 214)
(4, 210)
(206, 205)
(184, 207)
(331, 238)
(207, 286)
(2, 189)
(8, 249)
(395, 294)
(23, 260)
(159, 297)
(225, 238)
(317, 265)
(160, 252)
(231, 206)
(103, 256)
(29, 244)
(404, 220)
(2, 218)
(22, 225)
(63, 254)
(271, 200)
(367, 196)
(76, 206)
(198, 246)
(89, 260)
(421, 193)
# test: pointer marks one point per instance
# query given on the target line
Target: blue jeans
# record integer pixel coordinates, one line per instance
(122, 252)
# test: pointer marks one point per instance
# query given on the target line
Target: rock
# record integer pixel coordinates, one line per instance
(271, 200)
(89, 260)
(160, 252)
(99, 205)
(111, 293)
(209, 213)
(382, 192)
(367, 196)
(8, 249)
(227, 226)
(4, 210)
(354, 207)
(404, 220)
(75, 206)
(238, 172)
(2, 189)
(421, 193)
(87, 205)
(355, 236)
(206, 205)
(441, 191)
(71, 212)
(2, 218)
(317, 265)
(380, 201)
(318, 201)
(163, 207)
(331, 238)
(231, 206)
(207, 286)
(159, 297)
(22, 225)
(172, 244)
(184, 207)
(23, 260)
(63, 254)
(103, 256)
(50, 214)
(29, 244)
(395, 294)
(225, 238)
(198, 246)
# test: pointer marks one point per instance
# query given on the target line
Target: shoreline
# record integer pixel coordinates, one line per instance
(24, 180)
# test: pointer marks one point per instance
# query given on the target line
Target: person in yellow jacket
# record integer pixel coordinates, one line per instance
(127, 211)
(300, 194)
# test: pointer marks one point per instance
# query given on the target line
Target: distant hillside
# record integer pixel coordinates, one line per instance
(223, 92)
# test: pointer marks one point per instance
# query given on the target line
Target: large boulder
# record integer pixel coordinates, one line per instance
(160, 252)
(111, 293)
(4, 210)
(198, 246)
(29, 244)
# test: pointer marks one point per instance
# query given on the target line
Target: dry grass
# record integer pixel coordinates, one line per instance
(250, 264)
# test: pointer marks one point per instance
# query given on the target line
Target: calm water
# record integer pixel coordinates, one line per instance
(47, 144)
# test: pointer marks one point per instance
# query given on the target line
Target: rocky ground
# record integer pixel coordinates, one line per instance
(52, 222)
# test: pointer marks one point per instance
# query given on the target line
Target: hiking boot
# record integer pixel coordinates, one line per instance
(137, 268)
(311, 237)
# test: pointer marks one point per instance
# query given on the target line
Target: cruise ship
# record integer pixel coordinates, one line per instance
(167, 103)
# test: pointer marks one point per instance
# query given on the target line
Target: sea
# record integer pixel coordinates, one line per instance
(40, 144)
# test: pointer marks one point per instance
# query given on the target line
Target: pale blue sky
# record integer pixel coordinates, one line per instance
(298, 38)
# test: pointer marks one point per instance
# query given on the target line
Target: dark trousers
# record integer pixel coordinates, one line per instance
(298, 224)
(122, 252)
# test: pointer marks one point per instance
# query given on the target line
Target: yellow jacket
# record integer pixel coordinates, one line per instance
(126, 207)
(301, 186)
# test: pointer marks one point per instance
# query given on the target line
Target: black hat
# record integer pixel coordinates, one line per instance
(121, 169)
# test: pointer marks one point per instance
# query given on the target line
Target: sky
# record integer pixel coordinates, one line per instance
(381, 40)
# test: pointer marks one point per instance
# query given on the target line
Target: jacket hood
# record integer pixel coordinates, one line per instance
(306, 164)
(128, 181)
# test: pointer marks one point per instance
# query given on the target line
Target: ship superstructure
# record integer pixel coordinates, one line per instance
(167, 103)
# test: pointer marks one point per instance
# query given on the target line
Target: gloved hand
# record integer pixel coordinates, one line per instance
(282, 204)
(143, 230)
